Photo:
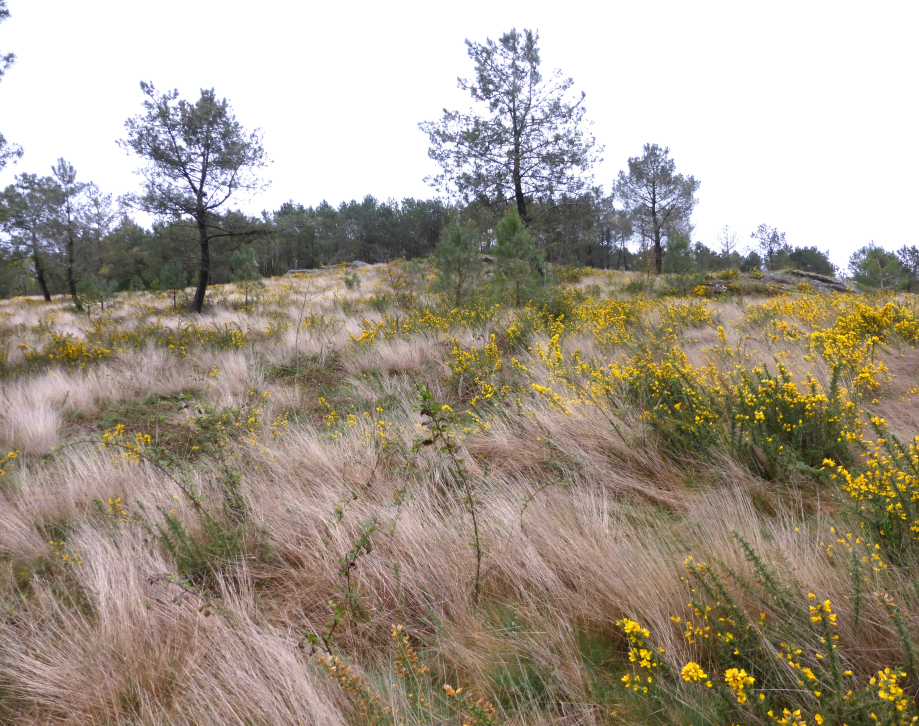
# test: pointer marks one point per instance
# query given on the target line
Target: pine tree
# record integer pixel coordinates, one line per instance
(197, 157)
(531, 143)
(659, 200)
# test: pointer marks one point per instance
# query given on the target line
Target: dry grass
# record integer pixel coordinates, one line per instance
(579, 525)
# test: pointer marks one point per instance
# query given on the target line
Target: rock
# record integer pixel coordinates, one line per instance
(818, 282)
(357, 263)
(489, 259)
(779, 278)
(829, 282)
(719, 288)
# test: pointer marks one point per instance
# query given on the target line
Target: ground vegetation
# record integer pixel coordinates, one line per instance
(344, 503)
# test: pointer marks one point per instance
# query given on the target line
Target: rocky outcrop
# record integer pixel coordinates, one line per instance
(821, 283)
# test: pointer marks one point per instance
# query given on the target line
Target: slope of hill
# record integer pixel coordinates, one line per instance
(349, 503)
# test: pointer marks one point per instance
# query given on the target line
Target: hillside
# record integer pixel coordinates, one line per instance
(333, 499)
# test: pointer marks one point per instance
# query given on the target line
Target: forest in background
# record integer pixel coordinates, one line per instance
(531, 150)
(589, 231)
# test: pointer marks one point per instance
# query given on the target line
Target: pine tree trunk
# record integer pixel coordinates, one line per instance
(40, 273)
(658, 253)
(204, 268)
(71, 281)
(518, 194)
(518, 186)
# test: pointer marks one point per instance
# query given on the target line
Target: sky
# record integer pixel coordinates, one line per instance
(800, 115)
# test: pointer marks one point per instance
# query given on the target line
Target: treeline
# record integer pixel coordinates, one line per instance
(55, 233)
(62, 235)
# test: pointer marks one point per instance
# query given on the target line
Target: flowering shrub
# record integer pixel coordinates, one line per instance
(678, 400)
(775, 425)
(846, 330)
(766, 419)
(478, 370)
(65, 350)
(7, 461)
(414, 697)
(886, 493)
(770, 654)
(643, 657)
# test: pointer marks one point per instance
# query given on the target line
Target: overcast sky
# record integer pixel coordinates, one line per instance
(801, 115)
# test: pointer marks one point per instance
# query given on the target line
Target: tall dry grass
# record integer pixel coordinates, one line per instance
(580, 525)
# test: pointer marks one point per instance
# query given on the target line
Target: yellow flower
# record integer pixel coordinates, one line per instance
(631, 627)
(737, 679)
(693, 672)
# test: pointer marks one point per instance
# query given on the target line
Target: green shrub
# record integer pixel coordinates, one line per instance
(96, 290)
(223, 539)
(173, 279)
(638, 286)
(728, 274)
(459, 263)
(246, 274)
(380, 303)
(520, 267)
(404, 281)
(352, 281)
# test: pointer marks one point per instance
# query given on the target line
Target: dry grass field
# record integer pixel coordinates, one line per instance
(345, 505)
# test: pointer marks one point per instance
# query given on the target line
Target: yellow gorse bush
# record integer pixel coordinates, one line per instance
(65, 350)
(107, 338)
(786, 668)
(7, 460)
(427, 320)
(692, 672)
(413, 696)
(641, 655)
(845, 330)
(122, 447)
(886, 493)
(479, 368)
(697, 408)
(772, 417)
(737, 679)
